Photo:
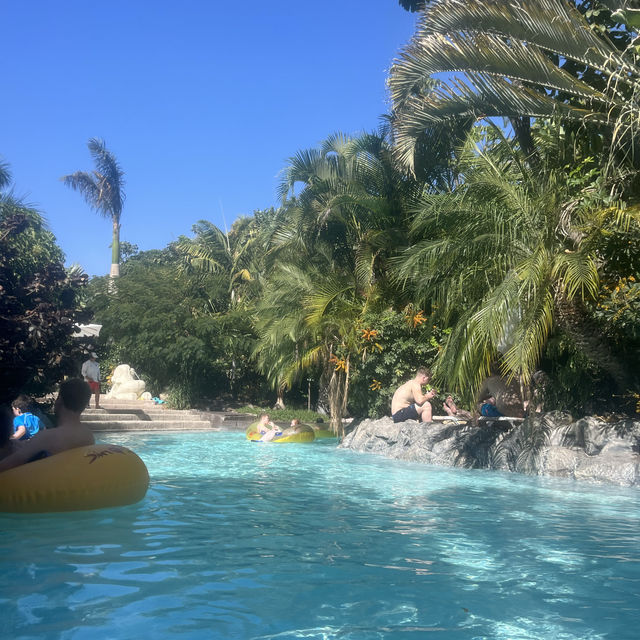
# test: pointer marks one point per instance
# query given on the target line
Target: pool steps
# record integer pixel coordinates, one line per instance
(118, 415)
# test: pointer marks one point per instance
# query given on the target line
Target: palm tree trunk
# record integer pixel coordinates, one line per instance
(335, 403)
(522, 129)
(115, 251)
(338, 395)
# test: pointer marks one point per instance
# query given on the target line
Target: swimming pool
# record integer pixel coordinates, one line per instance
(244, 540)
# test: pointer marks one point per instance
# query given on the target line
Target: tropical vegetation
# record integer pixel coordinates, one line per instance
(103, 190)
(491, 224)
(40, 301)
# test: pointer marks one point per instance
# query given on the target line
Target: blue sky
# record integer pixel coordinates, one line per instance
(201, 102)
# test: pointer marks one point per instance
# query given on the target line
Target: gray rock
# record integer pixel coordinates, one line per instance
(552, 444)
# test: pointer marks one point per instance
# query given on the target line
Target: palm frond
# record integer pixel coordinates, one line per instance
(554, 25)
(485, 53)
(578, 274)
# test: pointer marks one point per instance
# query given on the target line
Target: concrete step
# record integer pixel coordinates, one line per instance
(102, 414)
(122, 404)
(145, 416)
(98, 417)
(146, 425)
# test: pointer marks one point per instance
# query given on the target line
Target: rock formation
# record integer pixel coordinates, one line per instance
(552, 444)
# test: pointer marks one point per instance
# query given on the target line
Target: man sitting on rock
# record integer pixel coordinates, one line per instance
(409, 403)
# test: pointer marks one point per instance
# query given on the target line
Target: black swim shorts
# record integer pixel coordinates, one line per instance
(408, 413)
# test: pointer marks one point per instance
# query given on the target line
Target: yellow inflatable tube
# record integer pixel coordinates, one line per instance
(303, 433)
(93, 477)
(322, 433)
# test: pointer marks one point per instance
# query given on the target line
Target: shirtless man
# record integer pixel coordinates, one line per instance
(409, 403)
(267, 429)
(70, 433)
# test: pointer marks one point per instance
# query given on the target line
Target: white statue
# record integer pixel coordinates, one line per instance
(125, 384)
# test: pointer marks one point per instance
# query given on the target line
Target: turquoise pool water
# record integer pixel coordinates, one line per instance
(243, 540)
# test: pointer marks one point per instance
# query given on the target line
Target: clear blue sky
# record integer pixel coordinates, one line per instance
(202, 103)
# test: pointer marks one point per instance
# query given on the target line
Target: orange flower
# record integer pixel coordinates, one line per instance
(369, 334)
(418, 319)
(340, 363)
(375, 385)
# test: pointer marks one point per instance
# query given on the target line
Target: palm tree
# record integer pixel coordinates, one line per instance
(5, 175)
(234, 256)
(328, 260)
(505, 259)
(519, 59)
(103, 190)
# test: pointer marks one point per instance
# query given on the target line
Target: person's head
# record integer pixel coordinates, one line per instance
(295, 422)
(264, 418)
(423, 375)
(73, 395)
(490, 400)
(93, 355)
(21, 404)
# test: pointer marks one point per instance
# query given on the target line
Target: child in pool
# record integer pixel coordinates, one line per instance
(25, 423)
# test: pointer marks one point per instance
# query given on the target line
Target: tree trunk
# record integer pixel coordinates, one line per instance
(280, 401)
(576, 323)
(335, 403)
(322, 406)
(115, 251)
(338, 395)
(522, 129)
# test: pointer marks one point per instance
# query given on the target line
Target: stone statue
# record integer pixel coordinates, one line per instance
(125, 384)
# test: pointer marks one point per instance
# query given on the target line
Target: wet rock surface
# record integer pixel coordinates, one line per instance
(552, 444)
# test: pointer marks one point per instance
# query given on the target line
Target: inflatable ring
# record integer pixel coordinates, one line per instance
(302, 433)
(93, 477)
(324, 433)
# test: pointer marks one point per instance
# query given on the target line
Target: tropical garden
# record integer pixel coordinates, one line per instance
(492, 223)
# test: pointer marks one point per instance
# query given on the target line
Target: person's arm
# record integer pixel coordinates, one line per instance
(19, 432)
(418, 397)
(27, 451)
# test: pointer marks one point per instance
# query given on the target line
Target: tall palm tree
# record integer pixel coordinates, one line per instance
(328, 260)
(505, 259)
(519, 59)
(103, 190)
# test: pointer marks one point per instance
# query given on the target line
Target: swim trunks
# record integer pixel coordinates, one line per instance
(406, 413)
(93, 385)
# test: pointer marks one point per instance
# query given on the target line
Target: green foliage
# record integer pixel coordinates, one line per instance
(166, 324)
(181, 395)
(574, 383)
(39, 305)
(284, 415)
(506, 258)
(520, 60)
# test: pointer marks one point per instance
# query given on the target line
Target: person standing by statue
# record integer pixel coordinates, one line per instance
(91, 374)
